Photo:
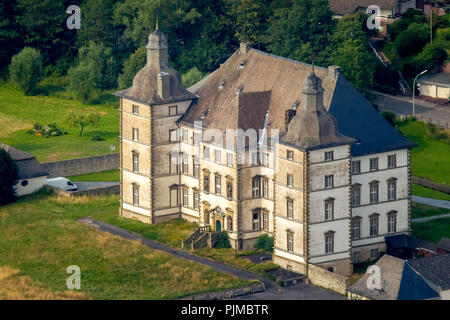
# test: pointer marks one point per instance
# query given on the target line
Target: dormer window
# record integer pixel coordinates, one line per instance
(239, 89)
(289, 115)
(242, 64)
(203, 115)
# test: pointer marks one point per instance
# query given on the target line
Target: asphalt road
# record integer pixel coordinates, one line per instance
(273, 290)
(403, 106)
(432, 202)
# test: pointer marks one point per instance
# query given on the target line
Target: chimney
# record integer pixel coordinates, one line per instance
(163, 83)
(244, 48)
(333, 72)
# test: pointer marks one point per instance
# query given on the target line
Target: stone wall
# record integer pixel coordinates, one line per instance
(329, 280)
(74, 167)
(115, 189)
(430, 184)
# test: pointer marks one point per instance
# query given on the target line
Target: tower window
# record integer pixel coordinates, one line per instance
(173, 110)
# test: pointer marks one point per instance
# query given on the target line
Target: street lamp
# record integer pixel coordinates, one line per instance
(414, 91)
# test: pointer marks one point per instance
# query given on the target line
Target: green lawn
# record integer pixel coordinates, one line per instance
(420, 191)
(104, 176)
(433, 230)
(40, 238)
(18, 112)
(431, 158)
(422, 210)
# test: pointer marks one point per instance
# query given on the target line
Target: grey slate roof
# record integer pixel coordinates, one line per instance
(358, 119)
(27, 164)
(435, 269)
(444, 244)
(441, 79)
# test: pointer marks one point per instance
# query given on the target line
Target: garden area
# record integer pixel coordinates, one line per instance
(41, 238)
(21, 115)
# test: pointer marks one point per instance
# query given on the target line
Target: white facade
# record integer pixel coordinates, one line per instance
(29, 186)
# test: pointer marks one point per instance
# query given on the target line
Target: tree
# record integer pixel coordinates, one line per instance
(431, 55)
(82, 84)
(191, 77)
(83, 120)
(250, 19)
(350, 50)
(307, 23)
(132, 65)
(26, 70)
(412, 40)
(10, 40)
(265, 242)
(9, 174)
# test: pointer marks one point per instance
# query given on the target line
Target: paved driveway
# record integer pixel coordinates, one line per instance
(83, 186)
(273, 290)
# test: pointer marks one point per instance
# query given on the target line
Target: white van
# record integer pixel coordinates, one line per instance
(62, 183)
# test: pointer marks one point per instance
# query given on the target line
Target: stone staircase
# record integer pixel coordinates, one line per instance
(201, 238)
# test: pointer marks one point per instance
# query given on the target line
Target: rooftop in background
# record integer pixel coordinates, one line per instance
(435, 269)
(441, 79)
(342, 7)
(27, 164)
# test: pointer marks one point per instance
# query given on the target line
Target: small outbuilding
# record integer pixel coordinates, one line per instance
(436, 85)
(32, 176)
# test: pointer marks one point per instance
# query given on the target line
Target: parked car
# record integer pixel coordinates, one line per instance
(62, 183)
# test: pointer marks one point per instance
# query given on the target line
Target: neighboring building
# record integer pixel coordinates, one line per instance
(443, 246)
(390, 10)
(418, 279)
(435, 85)
(32, 176)
(406, 247)
(329, 189)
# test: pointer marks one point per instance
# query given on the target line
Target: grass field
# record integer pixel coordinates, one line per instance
(104, 176)
(41, 238)
(173, 232)
(18, 112)
(431, 159)
(422, 211)
(433, 230)
(421, 191)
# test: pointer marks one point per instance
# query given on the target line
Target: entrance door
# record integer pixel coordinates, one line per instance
(218, 226)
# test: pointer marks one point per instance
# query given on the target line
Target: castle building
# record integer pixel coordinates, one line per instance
(264, 145)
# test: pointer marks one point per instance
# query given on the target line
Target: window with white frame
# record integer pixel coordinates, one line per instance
(392, 161)
(373, 219)
(185, 135)
(195, 166)
(135, 162)
(356, 166)
(290, 180)
(206, 153)
(266, 221)
(265, 189)
(356, 257)
(329, 155)
(135, 134)
(329, 209)
(374, 191)
(135, 195)
(373, 164)
(185, 164)
(392, 222)
(135, 109)
(196, 200)
(256, 225)
(174, 163)
(256, 187)
(356, 228)
(329, 242)
(290, 241)
(217, 156)
(229, 159)
(218, 180)
(290, 208)
(329, 181)
(186, 197)
(290, 154)
(356, 195)
(392, 189)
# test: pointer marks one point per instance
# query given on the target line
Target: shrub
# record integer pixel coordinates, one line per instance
(191, 77)
(265, 242)
(9, 174)
(26, 70)
(389, 117)
(223, 241)
(97, 138)
(436, 133)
